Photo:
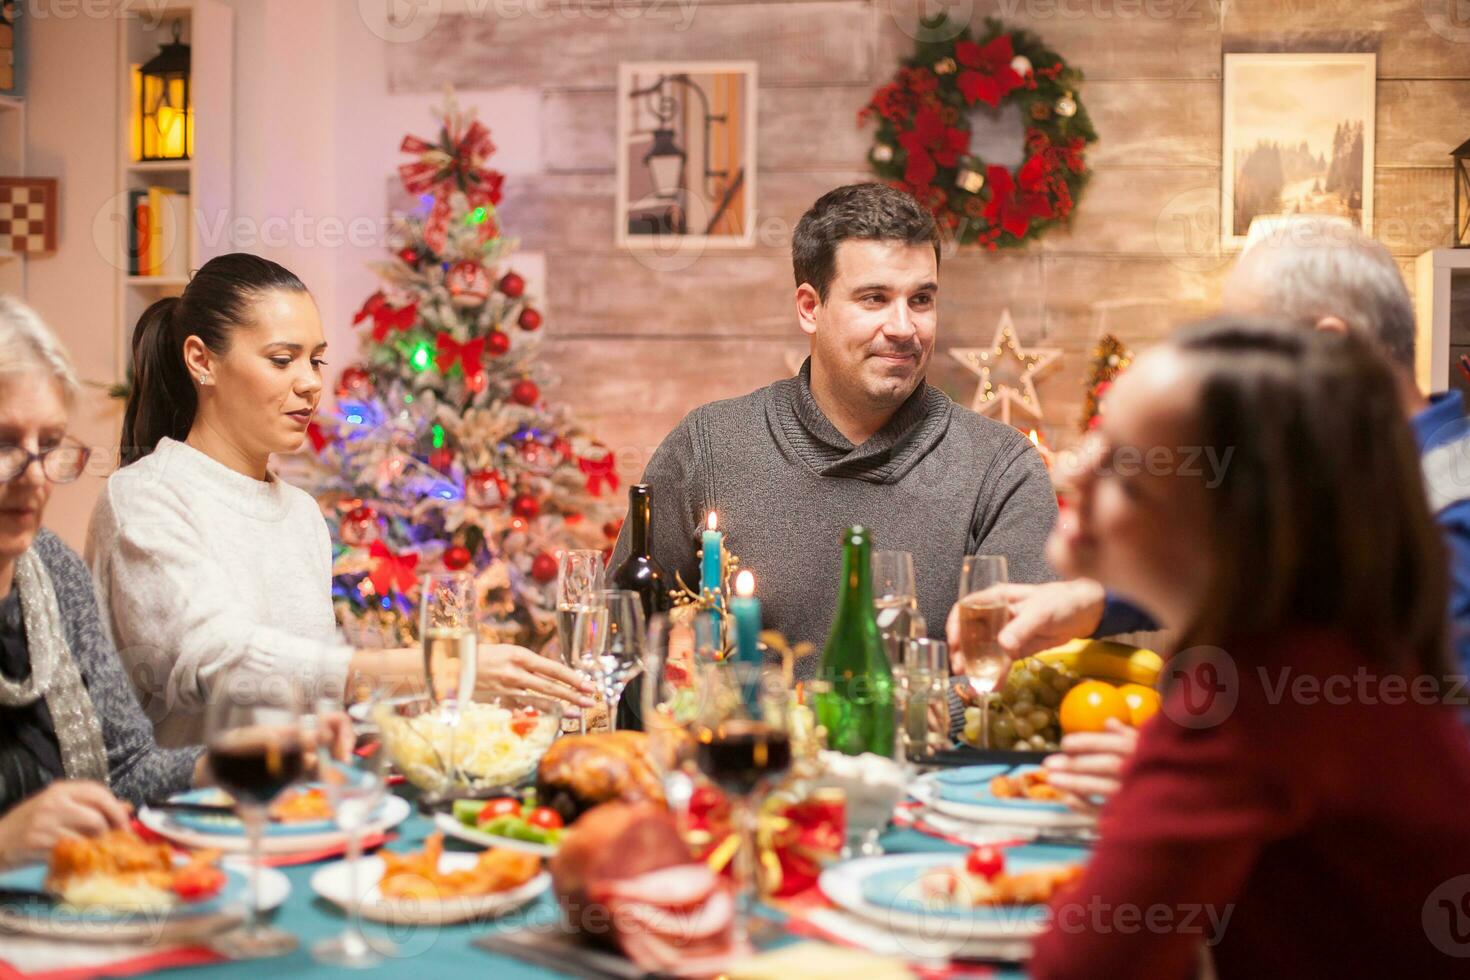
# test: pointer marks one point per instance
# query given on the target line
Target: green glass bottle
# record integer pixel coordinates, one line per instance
(854, 694)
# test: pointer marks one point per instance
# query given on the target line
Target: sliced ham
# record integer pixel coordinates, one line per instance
(677, 887)
(685, 924)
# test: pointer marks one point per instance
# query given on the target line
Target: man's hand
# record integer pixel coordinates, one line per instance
(1088, 770)
(1040, 616)
(65, 808)
(502, 668)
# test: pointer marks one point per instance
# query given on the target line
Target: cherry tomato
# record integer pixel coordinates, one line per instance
(524, 722)
(546, 818)
(985, 862)
(503, 806)
(193, 884)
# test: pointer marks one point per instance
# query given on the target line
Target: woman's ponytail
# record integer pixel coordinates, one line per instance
(162, 400)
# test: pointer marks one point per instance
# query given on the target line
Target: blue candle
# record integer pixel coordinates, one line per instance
(711, 578)
(746, 609)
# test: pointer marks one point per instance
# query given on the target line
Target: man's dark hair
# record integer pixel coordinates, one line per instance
(866, 212)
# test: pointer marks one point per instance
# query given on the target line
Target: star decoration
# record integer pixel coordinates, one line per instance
(1007, 372)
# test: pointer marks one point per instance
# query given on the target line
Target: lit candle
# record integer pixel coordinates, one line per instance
(712, 568)
(1047, 456)
(746, 609)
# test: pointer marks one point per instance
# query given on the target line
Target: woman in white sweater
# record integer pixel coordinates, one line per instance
(205, 563)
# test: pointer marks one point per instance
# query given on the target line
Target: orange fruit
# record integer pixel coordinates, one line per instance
(1143, 702)
(1091, 703)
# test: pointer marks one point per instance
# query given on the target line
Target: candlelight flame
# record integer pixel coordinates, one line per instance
(745, 584)
(1035, 438)
(712, 521)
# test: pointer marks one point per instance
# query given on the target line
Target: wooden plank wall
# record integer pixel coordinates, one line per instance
(635, 346)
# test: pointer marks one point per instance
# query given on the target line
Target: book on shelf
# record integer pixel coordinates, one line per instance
(158, 232)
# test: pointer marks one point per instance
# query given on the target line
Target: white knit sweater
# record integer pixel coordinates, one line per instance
(202, 573)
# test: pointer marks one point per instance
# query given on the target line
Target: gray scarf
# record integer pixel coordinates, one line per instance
(55, 676)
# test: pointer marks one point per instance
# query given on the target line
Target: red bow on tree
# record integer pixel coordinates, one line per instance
(931, 144)
(455, 163)
(316, 435)
(989, 77)
(1012, 205)
(386, 317)
(599, 472)
(392, 571)
(448, 350)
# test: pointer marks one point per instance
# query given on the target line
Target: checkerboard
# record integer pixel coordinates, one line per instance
(28, 214)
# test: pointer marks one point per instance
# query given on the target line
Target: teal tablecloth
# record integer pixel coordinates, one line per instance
(429, 953)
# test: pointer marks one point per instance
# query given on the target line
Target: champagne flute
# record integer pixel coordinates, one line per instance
(925, 682)
(671, 706)
(355, 788)
(619, 656)
(743, 751)
(588, 640)
(895, 597)
(579, 579)
(447, 630)
(256, 747)
(983, 614)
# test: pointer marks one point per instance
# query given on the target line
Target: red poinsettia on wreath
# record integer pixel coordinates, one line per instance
(923, 140)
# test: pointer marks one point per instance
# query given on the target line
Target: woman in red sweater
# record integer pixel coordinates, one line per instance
(1299, 805)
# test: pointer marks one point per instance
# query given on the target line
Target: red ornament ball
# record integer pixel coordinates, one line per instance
(441, 459)
(497, 342)
(611, 528)
(561, 446)
(525, 392)
(525, 506)
(486, 488)
(409, 255)
(360, 526)
(543, 567)
(475, 383)
(354, 382)
(529, 319)
(512, 285)
(456, 557)
(537, 456)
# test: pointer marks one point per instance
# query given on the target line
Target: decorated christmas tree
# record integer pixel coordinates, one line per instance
(442, 453)
(1110, 358)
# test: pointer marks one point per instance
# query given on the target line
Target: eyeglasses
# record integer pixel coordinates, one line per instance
(61, 463)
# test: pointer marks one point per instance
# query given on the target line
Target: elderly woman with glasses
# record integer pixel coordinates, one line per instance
(73, 738)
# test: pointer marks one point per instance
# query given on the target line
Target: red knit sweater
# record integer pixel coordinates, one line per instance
(1303, 836)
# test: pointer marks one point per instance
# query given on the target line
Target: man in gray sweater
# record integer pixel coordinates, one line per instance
(857, 437)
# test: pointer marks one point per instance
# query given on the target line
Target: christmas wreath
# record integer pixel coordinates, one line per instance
(923, 140)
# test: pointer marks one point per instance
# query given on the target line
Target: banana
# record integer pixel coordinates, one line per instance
(1105, 660)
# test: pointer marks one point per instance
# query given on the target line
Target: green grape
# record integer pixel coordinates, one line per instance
(1024, 728)
(1002, 731)
(1021, 677)
(1048, 695)
(1064, 682)
(1038, 743)
(972, 734)
(1047, 673)
(1039, 718)
(972, 717)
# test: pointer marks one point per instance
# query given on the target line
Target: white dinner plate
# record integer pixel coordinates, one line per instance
(981, 933)
(394, 811)
(149, 928)
(333, 883)
(452, 827)
(925, 789)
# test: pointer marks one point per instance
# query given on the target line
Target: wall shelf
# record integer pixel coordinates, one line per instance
(1435, 272)
(158, 282)
(161, 166)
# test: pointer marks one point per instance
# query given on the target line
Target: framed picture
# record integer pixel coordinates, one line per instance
(12, 47)
(686, 154)
(1298, 139)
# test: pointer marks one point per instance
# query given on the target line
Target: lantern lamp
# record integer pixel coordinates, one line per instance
(165, 112)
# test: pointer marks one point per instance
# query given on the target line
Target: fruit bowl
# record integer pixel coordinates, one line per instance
(486, 745)
(1024, 714)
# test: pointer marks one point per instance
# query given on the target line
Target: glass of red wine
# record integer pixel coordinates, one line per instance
(744, 749)
(256, 747)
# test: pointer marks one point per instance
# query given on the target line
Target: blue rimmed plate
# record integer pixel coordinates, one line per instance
(964, 794)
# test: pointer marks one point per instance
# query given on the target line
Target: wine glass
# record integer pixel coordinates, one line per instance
(611, 652)
(447, 630)
(895, 597)
(925, 683)
(355, 788)
(983, 613)
(670, 708)
(743, 749)
(255, 745)
(579, 580)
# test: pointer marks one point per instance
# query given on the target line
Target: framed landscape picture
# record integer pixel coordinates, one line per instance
(686, 154)
(1298, 139)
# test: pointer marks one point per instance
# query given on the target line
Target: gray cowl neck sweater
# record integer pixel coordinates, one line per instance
(937, 480)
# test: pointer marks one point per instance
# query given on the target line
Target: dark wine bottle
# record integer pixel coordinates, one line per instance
(640, 572)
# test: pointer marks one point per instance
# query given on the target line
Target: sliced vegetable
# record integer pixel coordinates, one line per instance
(197, 882)
(546, 818)
(503, 806)
(985, 862)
